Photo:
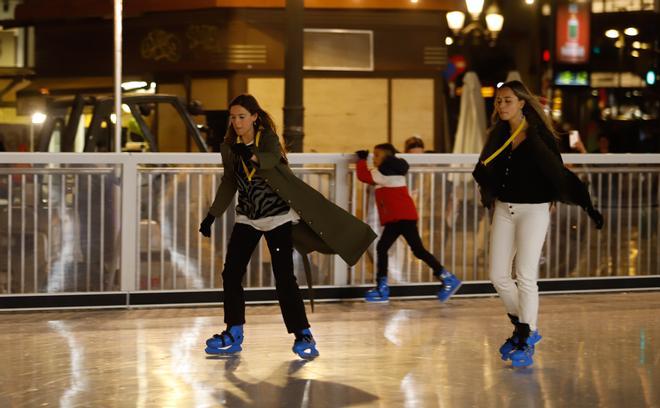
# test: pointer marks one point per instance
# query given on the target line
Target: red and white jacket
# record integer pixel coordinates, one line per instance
(392, 197)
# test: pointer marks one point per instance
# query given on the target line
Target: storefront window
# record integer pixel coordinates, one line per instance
(614, 6)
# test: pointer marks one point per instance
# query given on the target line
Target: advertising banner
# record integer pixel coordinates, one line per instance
(572, 33)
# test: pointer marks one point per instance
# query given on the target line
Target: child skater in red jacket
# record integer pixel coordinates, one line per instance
(398, 215)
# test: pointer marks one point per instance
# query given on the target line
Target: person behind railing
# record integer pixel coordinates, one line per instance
(568, 138)
(520, 172)
(414, 144)
(603, 143)
(398, 214)
(271, 199)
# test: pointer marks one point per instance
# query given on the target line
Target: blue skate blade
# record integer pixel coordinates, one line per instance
(522, 362)
(216, 351)
(305, 354)
(376, 300)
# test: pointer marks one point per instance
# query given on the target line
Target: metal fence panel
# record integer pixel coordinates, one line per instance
(57, 228)
(108, 222)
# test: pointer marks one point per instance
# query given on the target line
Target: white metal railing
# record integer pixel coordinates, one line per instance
(101, 222)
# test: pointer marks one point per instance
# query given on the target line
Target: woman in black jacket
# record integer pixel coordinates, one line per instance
(520, 173)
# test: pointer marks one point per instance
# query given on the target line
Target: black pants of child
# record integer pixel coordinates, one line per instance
(243, 241)
(410, 232)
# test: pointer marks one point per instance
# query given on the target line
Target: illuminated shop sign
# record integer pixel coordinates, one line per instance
(572, 33)
(572, 78)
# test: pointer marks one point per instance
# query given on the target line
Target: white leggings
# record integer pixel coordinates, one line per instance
(518, 230)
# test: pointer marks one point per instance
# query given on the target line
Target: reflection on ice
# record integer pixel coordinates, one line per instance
(78, 377)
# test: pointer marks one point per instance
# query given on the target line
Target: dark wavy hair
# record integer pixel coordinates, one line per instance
(387, 147)
(249, 102)
(264, 120)
(532, 110)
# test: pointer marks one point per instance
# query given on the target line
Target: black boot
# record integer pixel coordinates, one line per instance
(512, 342)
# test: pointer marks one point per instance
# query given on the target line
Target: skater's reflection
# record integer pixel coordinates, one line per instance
(297, 391)
(78, 381)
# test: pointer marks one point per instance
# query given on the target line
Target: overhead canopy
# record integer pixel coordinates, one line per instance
(32, 11)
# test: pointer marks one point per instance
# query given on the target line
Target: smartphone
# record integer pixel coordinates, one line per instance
(573, 138)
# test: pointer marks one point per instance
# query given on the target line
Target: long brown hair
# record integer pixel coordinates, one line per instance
(249, 103)
(532, 109)
(264, 120)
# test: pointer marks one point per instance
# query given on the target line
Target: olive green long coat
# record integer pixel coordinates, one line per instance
(324, 227)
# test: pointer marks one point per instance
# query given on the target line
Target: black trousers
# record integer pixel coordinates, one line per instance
(243, 241)
(410, 232)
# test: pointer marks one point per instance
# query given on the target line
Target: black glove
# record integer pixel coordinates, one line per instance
(595, 215)
(205, 226)
(362, 154)
(242, 150)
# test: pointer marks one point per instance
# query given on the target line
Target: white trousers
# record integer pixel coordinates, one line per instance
(518, 230)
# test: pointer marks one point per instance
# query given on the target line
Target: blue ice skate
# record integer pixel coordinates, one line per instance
(522, 355)
(450, 284)
(305, 345)
(512, 342)
(379, 294)
(227, 342)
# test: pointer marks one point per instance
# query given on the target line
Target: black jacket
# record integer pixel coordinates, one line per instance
(566, 186)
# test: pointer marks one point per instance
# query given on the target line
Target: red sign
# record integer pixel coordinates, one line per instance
(572, 34)
(456, 66)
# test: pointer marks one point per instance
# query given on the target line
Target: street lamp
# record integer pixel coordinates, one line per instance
(475, 7)
(455, 20)
(38, 118)
(620, 37)
(631, 31)
(494, 20)
(612, 33)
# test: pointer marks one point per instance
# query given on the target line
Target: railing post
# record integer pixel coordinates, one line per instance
(129, 217)
(342, 197)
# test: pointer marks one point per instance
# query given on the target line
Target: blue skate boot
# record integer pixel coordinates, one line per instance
(524, 351)
(450, 284)
(512, 342)
(379, 294)
(305, 345)
(227, 342)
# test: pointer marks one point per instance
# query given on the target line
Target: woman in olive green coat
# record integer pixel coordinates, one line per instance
(274, 203)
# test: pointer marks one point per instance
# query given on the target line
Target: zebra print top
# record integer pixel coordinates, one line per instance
(256, 199)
